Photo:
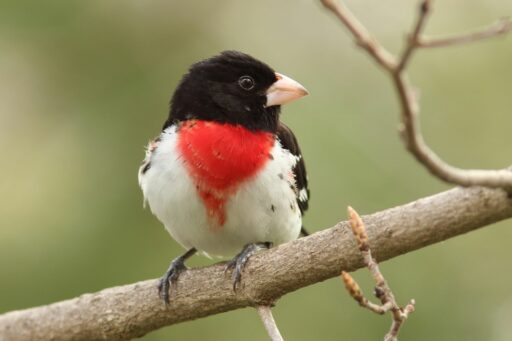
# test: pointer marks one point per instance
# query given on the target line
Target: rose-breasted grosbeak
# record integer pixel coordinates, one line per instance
(225, 174)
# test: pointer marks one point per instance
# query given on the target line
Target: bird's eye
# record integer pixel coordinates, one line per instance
(246, 82)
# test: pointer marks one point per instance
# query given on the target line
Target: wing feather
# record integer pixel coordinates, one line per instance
(289, 141)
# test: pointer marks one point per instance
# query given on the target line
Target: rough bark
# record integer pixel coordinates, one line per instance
(129, 311)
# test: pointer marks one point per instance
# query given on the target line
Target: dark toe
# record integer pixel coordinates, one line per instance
(240, 261)
(170, 279)
(163, 289)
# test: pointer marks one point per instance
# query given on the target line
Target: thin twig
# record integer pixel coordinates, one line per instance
(265, 313)
(410, 127)
(414, 37)
(500, 27)
(382, 290)
(357, 294)
(361, 35)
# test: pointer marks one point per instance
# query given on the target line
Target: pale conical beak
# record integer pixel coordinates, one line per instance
(284, 90)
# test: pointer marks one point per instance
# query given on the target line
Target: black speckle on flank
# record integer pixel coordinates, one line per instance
(281, 176)
(147, 166)
(273, 208)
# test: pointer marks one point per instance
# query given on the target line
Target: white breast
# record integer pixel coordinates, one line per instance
(263, 209)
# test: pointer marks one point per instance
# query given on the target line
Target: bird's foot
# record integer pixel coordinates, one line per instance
(238, 263)
(170, 278)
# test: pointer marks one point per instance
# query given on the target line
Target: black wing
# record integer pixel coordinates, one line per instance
(289, 141)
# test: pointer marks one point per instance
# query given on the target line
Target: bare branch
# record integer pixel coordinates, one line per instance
(397, 322)
(265, 313)
(382, 289)
(411, 131)
(500, 27)
(410, 128)
(130, 311)
(361, 35)
(414, 37)
(357, 294)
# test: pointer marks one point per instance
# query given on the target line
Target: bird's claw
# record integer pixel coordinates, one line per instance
(238, 263)
(170, 278)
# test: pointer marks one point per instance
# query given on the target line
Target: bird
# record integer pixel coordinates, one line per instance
(225, 176)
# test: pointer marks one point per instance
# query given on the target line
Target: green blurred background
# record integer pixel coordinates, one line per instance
(85, 84)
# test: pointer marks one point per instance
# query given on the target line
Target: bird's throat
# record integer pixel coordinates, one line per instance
(219, 157)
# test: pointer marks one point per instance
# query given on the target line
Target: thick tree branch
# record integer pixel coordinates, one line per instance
(133, 310)
(410, 128)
